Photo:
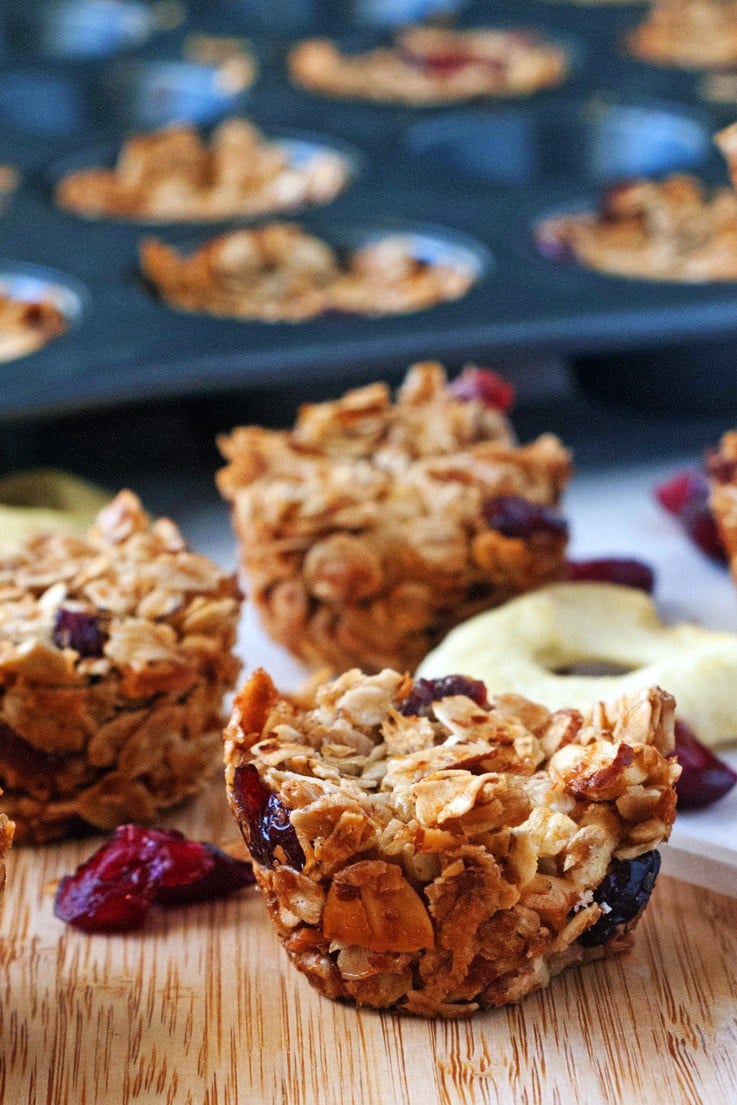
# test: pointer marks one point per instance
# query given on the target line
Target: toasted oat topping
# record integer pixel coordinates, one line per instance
(428, 65)
(279, 273)
(174, 174)
(363, 531)
(448, 860)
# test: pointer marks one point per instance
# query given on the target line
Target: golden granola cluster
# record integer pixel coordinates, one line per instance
(6, 839)
(174, 174)
(723, 501)
(693, 34)
(362, 530)
(661, 230)
(115, 654)
(427, 65)
(279, 273)
(26, 326)
(440, 854)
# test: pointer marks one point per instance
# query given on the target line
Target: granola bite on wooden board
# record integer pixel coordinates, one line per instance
(6, 839)
(174, 174)
(432, 65)
(375, 525)
(115, 654)
(425, 850)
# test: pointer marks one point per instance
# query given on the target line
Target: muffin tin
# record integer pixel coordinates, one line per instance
(473, 178)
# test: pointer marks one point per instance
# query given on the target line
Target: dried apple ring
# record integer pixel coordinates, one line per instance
(537, 645)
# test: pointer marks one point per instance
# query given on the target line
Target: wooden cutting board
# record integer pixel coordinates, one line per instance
(201, 1008)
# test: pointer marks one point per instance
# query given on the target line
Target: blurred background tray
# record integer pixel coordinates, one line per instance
(79, 73)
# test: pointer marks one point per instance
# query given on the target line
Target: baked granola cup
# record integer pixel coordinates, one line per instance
(374, 526)
(115, 655)
(6, 839)
(424, 850)
(722, 466)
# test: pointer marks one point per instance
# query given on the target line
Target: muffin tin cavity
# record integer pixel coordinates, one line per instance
(43, 105)
(146, 94)
(35, 284)
(596, 140)
(382, 13)
(79, 29)
(432, 244)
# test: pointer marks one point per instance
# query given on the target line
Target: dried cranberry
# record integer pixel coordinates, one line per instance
(705, 778)
(427, 691)
(482, 383)
(438, 64)
(80, 631)
(674, 493)
(137, 868)
(620, 570)
(265, 819)
(513, 516)
(686, 495)
(624, 892)
(552, 243)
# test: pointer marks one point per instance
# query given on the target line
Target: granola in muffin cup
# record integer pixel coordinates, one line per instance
(116, 650)
(374, 526)
(426, 850)
(432, 65)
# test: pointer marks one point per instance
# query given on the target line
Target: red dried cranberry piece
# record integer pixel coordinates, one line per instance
(482, 383)
(115, 889)
(674, 493)
(513, 516)
(438, 64)
(265, 819)
(426, 691)
(625, 890)
(80, 631)
(686, 496)
(553, 245)
(211, 874)
(620, 570)
(705, 778)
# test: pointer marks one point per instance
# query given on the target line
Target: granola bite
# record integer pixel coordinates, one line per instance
(175, 175)
(279, 273)
(722, 467)
(424, 849)
(115, 654)
(375, 525)
(672, 229)
(6, 839)
(27, 325)
(432, 65)
(691, 34)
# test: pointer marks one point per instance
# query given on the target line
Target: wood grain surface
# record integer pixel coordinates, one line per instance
(201, 1008)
